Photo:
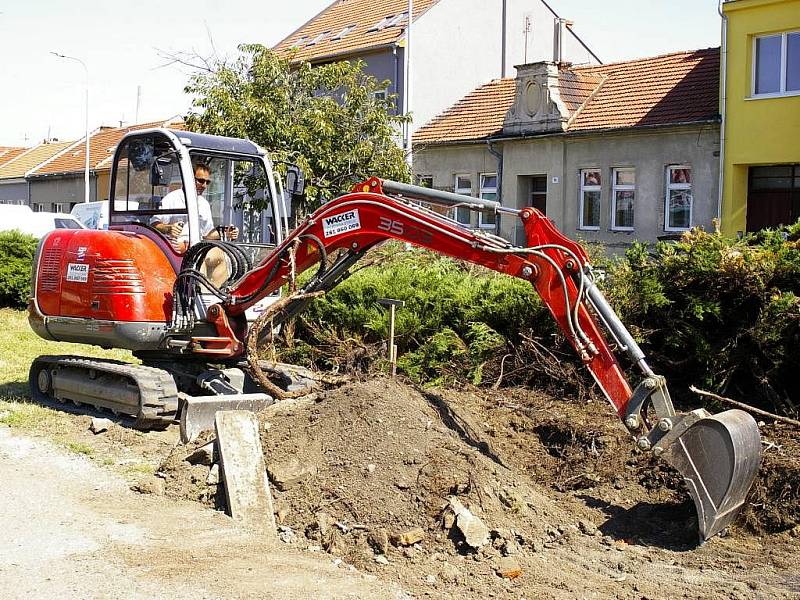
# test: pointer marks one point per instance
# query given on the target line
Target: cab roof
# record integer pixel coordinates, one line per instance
(216, 143)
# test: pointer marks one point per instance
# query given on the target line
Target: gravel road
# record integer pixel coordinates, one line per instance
(71, 529)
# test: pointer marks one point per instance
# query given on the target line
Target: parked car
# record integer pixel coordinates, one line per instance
(36, 224)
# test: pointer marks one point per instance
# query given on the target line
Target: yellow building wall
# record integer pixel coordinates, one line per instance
(758, 131)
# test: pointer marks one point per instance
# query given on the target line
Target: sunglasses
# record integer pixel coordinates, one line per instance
(203, 181)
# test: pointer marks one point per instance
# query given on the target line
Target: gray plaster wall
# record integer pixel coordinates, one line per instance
(13, 190)
(443, 163)
(67, 190)
(560, 158)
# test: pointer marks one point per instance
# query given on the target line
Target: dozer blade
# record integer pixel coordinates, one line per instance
(718, 457)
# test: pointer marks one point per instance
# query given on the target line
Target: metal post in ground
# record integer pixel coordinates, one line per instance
(392, 349)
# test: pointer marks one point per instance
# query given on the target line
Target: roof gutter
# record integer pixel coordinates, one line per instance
(345, 54)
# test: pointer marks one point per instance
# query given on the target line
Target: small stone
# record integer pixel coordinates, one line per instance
(282, 512)
(448, 520)
(587, 527)
(323, 522)
(449, 573)
(508, 568)
(288, 473)
(213, 475)
(371, 468)
(100, 425)
(378, 539)
(267, 425)
(381, 559)
(151, 485)
(204, 455)
(286, 534)
(402, 484)
(408, 538)
(430, 579)
(475, 533)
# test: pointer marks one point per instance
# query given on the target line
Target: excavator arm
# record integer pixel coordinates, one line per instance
(718, 455)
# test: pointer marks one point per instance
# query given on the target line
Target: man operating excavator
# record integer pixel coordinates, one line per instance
(173, 226)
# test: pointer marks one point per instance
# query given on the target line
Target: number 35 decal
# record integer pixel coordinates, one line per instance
(395, 227)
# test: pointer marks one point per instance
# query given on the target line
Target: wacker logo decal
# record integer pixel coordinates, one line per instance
(78, 272)
(341, 223)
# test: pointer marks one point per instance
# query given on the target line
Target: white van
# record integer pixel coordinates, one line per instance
(36, 224)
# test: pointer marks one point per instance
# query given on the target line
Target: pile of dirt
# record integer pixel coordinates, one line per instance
(558, 499)
(773, 504)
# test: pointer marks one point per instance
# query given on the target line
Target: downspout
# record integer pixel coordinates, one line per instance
(503, 42)
(407, 87)
(499, 157)
(723, 74)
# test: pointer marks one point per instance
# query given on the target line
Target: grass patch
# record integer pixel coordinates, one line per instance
(19, 345)
(79, 448)
(140, 469)
(27, 416)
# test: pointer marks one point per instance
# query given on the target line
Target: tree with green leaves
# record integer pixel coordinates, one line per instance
(327, 119)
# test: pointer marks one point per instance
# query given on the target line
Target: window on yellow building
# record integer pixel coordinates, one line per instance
(776, 64)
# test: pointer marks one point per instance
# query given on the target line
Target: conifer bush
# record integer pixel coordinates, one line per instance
(16, 259)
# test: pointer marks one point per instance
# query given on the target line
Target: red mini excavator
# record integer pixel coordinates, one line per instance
(133, 287)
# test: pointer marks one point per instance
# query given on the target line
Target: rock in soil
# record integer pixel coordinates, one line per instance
(475, 533)
(409, 538)
(508, 568)
(285, 474)
(100, 425)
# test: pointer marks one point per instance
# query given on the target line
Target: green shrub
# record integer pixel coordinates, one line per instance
(456, 316)
(16, 259)
(717, 312)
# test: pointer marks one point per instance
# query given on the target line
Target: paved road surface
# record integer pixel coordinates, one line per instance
(70, 529)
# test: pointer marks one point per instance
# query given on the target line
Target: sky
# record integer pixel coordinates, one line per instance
(123, 44)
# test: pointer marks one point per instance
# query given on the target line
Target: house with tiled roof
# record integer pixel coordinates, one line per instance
(59, 182)
(14, 187)
(456, 45)
(9, 152)
(611, 153)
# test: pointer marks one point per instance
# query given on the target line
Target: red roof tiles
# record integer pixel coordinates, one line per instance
(681, 87)
(347, 27)
(102, 144)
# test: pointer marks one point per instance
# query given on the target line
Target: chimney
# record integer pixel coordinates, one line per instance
(559, 26)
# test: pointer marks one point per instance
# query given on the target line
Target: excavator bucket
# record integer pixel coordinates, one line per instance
(718, 457)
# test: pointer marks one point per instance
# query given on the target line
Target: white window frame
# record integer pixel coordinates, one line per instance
(464, 191)
(382, 24)
(621, 188)
(37, 206)
(678, 186)
(783, 66)
(343, 33)
(486, 190)
(581, 197)
(397, 19)
(318, 38)
(58, 207)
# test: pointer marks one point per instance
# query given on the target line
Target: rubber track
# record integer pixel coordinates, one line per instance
(158, 395)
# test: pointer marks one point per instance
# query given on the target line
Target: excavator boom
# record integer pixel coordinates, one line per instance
(718, 455)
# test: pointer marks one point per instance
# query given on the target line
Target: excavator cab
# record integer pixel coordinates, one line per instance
(181, 188)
